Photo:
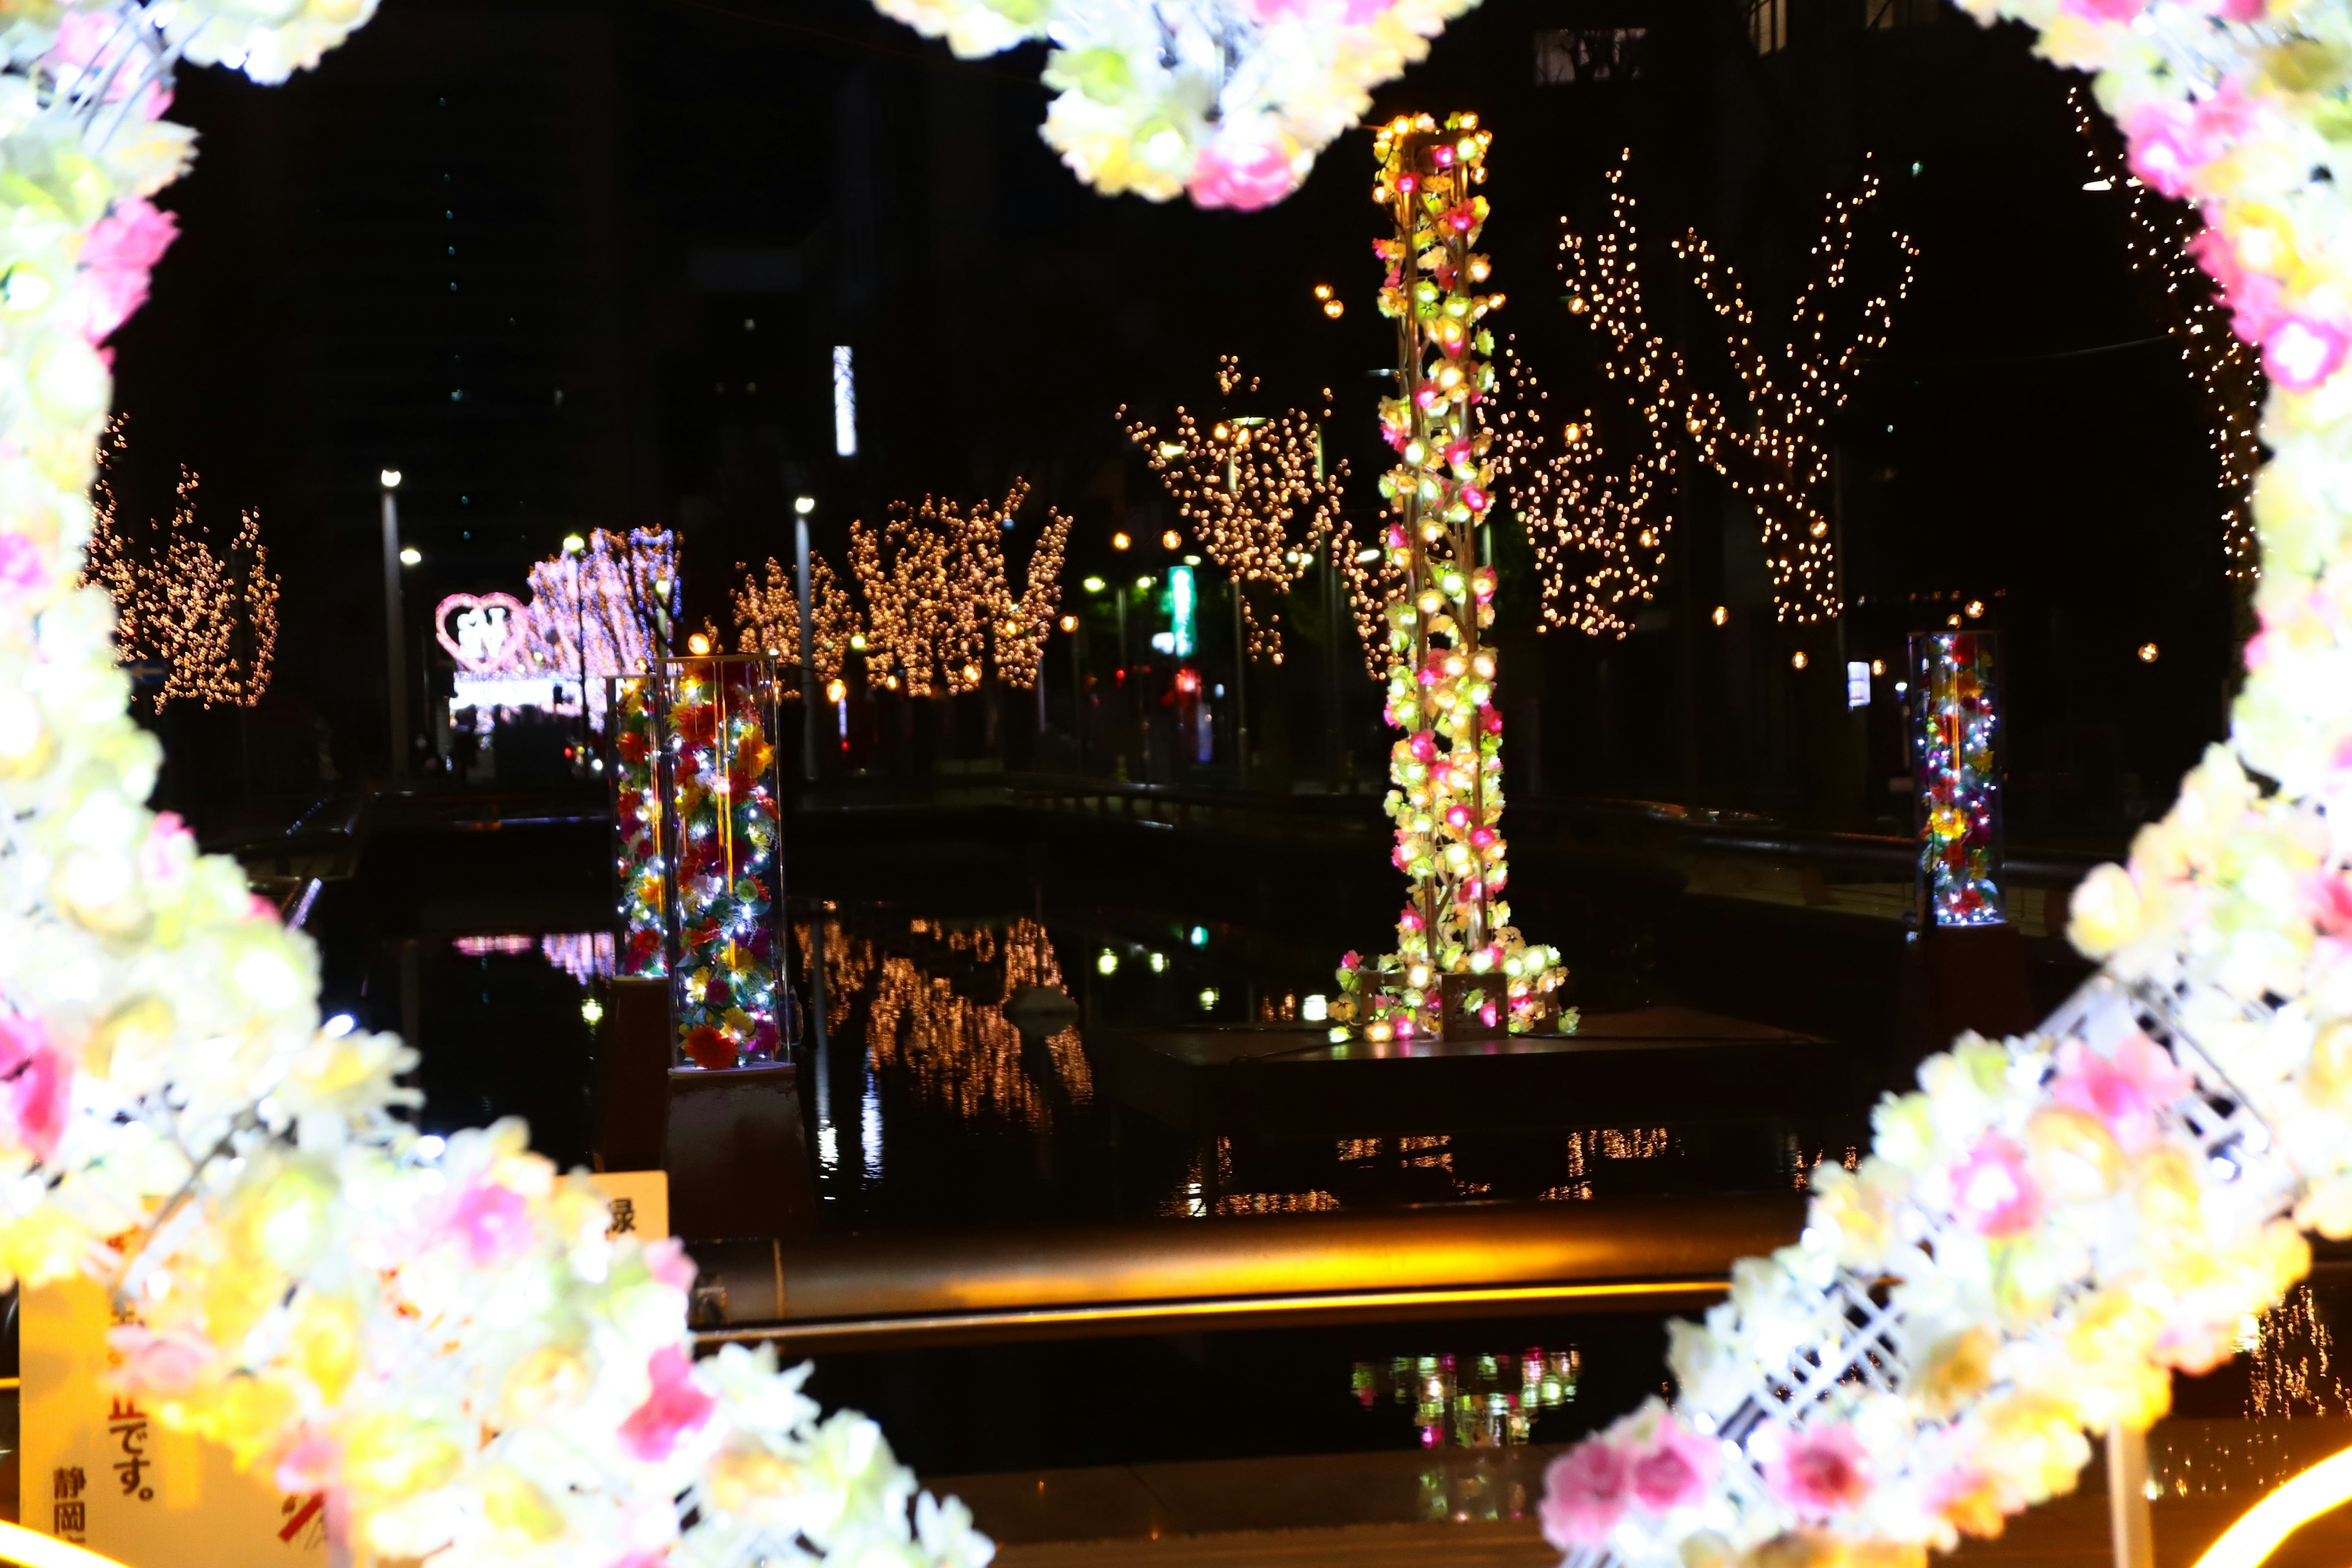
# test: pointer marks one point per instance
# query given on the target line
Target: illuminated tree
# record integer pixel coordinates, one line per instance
(939, 613)
(1599, 528)
(209, 617)
(604, 609)
(2226, 369)
(768, 619)
(1257, 493)
(1772, 442)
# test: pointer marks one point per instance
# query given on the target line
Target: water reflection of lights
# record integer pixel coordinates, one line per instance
(1803, 1162)
(483, 946)
(953, 1048)
(1585, 1149)
(1194, 1200)
(585, 955)
(1474, 1402)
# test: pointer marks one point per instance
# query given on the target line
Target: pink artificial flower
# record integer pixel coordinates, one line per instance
(2302, 352)
(118, 256)
(158, 1363)
(1243, 178)
(1676, 1472)
(313, 1461)
(81, 58)
(674, 1408)
(1473, 498)
(35, 1085)
(1586, 1491)
(491, 1222)
(2171, 142)
(670, 1265)
(1819, 1472)
(2125, 1092)
(158, 861)
(1993, 1190)
(21, 569)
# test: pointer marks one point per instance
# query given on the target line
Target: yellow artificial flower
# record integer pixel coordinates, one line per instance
(1957, 1369)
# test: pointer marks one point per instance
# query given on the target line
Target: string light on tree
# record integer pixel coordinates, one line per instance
(2226, 369)
(616, 594)
(209, 617)
(1774, 448)
(939, 613)
(1256, 490)
(1599, 529)
(768, 619)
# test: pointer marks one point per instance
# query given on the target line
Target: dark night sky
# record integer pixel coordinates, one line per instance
(618, 187)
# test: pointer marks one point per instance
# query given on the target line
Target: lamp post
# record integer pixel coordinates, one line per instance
(395, 654)
(802, 507)
(574, 547)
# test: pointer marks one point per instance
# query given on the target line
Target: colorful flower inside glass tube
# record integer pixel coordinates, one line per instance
(1959, 777)
(637, 831)
(728, 1004)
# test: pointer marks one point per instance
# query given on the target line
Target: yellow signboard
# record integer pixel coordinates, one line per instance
(640, 1201)
(97, 1470)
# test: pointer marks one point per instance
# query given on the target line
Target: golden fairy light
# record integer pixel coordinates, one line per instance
(1258, 493)
(768, 619)
(1599, 528)
(209, 618)
(1774, 447)
(940, 613)
(2226, 369)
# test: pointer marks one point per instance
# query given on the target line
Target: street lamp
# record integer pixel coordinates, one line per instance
(396, 653)
(410, 555)
(573, 548)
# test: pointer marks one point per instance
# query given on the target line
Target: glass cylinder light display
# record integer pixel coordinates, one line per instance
(638, 866)
(1956, 712)
(717, 754)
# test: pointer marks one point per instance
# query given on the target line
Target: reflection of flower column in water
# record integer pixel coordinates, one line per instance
(1960, 782)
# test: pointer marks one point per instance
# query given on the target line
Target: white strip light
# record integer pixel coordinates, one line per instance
(844, 404)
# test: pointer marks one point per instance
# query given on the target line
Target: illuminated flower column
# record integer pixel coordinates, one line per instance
(725, 880)
(1460, 968)
(640, 872)
(1958, 715)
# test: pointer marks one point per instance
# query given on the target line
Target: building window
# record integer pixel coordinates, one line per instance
(1566, 54)
(1768, 25)
(1904, 13)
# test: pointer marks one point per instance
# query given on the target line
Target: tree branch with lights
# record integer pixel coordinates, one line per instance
(1771, 442)
(1599, 528)
(2162, 240)
(1257, 492)
(768, 619)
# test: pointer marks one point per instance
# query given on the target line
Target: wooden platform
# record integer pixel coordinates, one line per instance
(1653, 1065)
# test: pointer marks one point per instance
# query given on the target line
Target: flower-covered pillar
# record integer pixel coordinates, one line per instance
(1460, 969)
(724, 894)
(1957, 718)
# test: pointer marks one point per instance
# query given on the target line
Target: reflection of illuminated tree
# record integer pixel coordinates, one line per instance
(954, 1049)
(209, 618)
(940, 611)
(1256, 492)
